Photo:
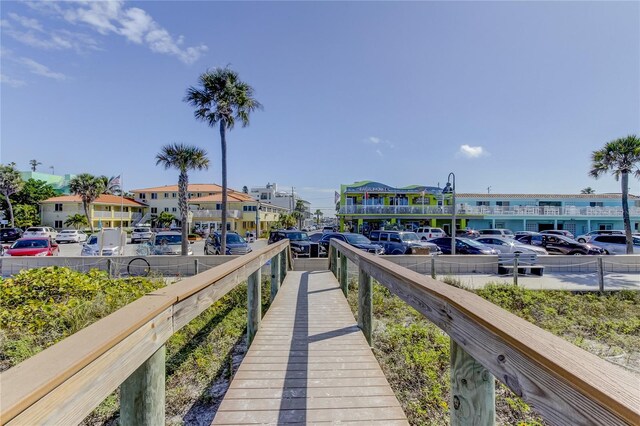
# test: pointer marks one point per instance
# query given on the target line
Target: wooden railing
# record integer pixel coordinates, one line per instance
(65, 382)
(563, 383)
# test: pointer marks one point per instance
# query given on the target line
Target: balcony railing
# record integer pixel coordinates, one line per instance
(215, 214)
(465, 209)
(115, 215)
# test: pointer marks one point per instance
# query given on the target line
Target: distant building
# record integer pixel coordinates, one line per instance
(60, 183)
(286, 199)
(372, 205)
(106, 211)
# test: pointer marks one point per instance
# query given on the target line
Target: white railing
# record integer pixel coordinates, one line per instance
(116, 215)
(209, 214)
(491, 210)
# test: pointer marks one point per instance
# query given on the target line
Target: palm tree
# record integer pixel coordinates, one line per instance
(76, 220)
(318, 214)
(184, 158)
(111, 185)
(222, 98)
(34, 164)
(620, 157)
(10, 183)
(89, 188)
(299, 212)
(588, 190)
(165, 219)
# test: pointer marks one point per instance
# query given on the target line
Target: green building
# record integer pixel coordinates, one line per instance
(371, 205)
(59, 183)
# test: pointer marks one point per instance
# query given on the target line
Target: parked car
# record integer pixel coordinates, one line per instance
(463, 246)
(39, 246)
(71, 236)
(402, 242)
(40, 231)
(467, 233)
(586, 237)
(141, 234)
(558, 232)
(236, 245)
(107, 242)
(531, 238)
(426, 233)
(615, 244)
(510, 245)
(163, 243)
(523, 233)
(499, 232)
(9, 235)
(356, 240)
(559, 244)
(299, 241)
(328, 229)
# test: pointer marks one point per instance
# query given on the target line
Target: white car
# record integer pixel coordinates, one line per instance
(108, 242)
(427, 233)
(71, 236)
(166, 243)
(328, 229)
(509, 245)
(141, 234)
(589, 235)
(40, 231)
(615, 244)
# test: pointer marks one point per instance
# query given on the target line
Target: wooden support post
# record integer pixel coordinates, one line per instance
(473, 390)
(196, 266)
(334, 260)
(142, 395)
(365, 304)
(254, 313)
(275, 275)
(283, 265)
(515, 270)
(600, 272)
(344, 278)
(109, 272)
(433, 266)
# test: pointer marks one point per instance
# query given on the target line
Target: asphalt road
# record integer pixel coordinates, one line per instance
(74, 249)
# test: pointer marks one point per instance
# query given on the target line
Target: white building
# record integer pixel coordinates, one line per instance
(270, 194)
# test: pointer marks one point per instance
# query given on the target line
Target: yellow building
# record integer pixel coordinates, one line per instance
(105, 211)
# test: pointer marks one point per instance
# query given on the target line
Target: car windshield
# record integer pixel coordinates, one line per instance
(93, 240)
(35, 229)
(30, 244)
(566, 239)
(473, 243)
(409, 236)
(68, 232)
(508, 232)
(141, 230)
(169, 239)
(357, 239)
(234, 239)
(297, 236)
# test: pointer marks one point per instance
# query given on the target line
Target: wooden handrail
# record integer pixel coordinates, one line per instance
(565, 384)
(94, 361)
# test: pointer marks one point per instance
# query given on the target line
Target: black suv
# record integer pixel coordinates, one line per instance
(356, 240)
(298, 240)
(402, 242)
(9, 235)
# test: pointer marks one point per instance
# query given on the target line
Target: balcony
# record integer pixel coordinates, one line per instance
(466, 209)
(216, 214)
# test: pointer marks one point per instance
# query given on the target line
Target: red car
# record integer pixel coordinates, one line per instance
(33, 247)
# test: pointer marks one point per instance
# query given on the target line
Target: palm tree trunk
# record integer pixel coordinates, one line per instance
(183, 186)
(13, 224)
(625, 210)
(85, 205)
(223, 233)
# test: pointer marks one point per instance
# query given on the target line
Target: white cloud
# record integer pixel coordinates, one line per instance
(379, 153)
(30, 23)
(374, 140)
(42, 70)
(5, 79)
(469, 151)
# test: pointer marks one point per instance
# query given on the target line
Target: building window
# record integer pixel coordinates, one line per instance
(143, 196)
(596, 204)
(57, 224)
(218, 206)
(174, 209)
(199, 195)
(550, 204)
(166, 195)
(263, 197)
(126, 209)
(108, 208)
(166, 209)
(174, 195)
(154, 195)
(502, 203)
(482, 203)
(58, 207)
(154, 210)
(605, 226)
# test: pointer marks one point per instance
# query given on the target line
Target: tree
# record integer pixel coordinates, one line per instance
(26, 215)
(620, 157)
(111, 186)
(184, 158)
(76, 220)
(245, 190)
(588, 190)
(285, 221)
(299, 211)
(10, 183)
(165, 218)
(89, 188)
(34, 164)
(33, 192)
(318, 214)
(222, 98)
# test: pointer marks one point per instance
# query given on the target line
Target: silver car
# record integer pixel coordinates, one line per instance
(589, 235)
(509, 245)
(71, 236)
(615, 244)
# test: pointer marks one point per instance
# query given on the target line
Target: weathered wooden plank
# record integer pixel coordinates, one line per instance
(564, 383)
(311, 404)
(142, 395)
(365, 304)
(235, 393)
(310, 367)
(275, 275)
(254, 306)
(76, 397)
(302, 374)
(306, 416)
(344, 282)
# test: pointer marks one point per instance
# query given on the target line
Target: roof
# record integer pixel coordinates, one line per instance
(215, 198)
(102, 199)
(546, 196)
(193, 187)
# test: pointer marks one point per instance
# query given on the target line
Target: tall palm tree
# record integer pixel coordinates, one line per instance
(89, 188)
(34, 164)
(222, 98)
(184, 158)
(10, 183)
(110, 185)
(318, 214)
(76, 220)
(620, 157)
(588, 190)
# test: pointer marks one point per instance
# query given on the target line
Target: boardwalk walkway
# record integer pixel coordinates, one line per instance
(309, 363)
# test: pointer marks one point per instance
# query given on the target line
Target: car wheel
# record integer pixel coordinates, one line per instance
(409, 251)
(575, 253)
(582, 240)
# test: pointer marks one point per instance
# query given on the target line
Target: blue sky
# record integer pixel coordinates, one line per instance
(508, 95)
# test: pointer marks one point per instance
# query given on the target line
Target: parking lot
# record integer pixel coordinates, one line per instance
(74, 249)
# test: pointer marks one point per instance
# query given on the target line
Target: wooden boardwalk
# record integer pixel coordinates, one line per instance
(309, 363)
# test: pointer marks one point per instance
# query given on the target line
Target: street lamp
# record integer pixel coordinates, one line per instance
(451, 189)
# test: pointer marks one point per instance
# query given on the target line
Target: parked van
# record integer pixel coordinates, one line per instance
(500, 232)
(427, 233)
(107, 242)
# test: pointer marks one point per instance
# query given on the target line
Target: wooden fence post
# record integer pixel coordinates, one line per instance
(142, 395)
(275, 275)
(365, 304)
(344, 279)
(109, 273)
(254, 312)
(196, 266)
(334, 260)
(433, 266)
(473, 390)
(600, 273)
(283, 265)
(515, 270)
